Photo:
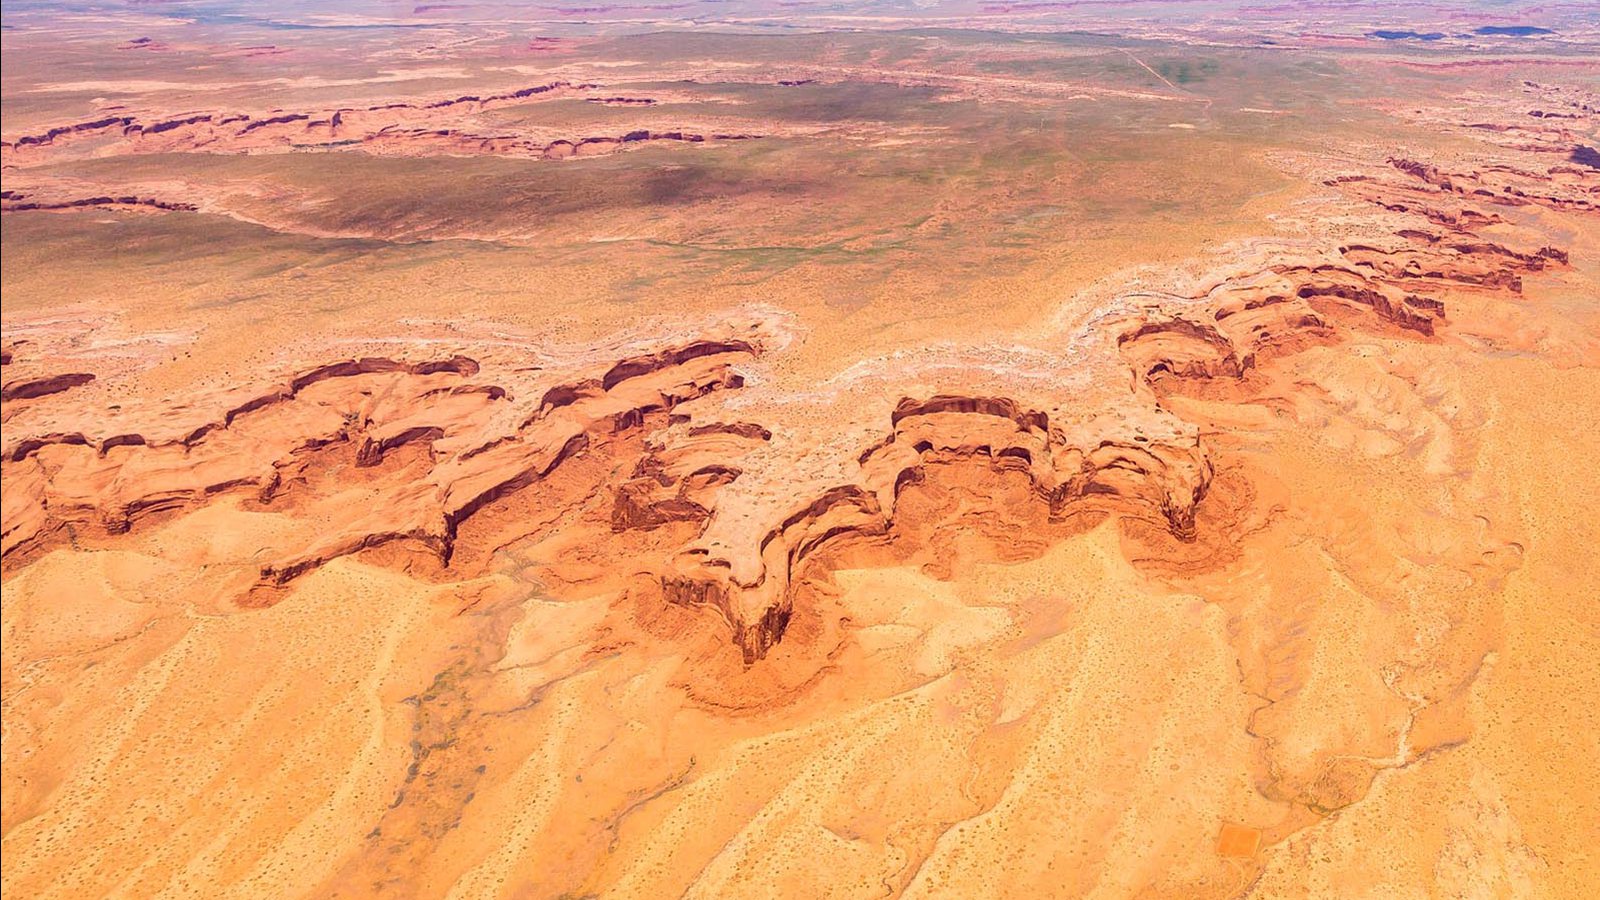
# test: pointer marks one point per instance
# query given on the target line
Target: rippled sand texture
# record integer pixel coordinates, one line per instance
(1047, 452)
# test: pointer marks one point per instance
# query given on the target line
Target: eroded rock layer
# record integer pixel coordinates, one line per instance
(437, 127)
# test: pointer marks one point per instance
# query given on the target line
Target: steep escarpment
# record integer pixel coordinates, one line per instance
(764, 509)
(44, 386)
(1126, 455)
(447, 142)
(1244, 320)
(1558, 187)
(133, 127)
(758, 539)
(741, 497)
(17, 201)
(455, 126)
(425, 446)
(1400, 280)
(479, 441)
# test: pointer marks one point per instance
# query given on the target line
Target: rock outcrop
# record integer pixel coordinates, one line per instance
(440, 441)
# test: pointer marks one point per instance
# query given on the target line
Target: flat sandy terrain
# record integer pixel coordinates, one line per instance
(768, 449)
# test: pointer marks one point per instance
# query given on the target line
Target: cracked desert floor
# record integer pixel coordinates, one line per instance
(801, 448)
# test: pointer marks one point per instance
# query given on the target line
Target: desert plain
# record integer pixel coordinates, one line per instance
(976, 448)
